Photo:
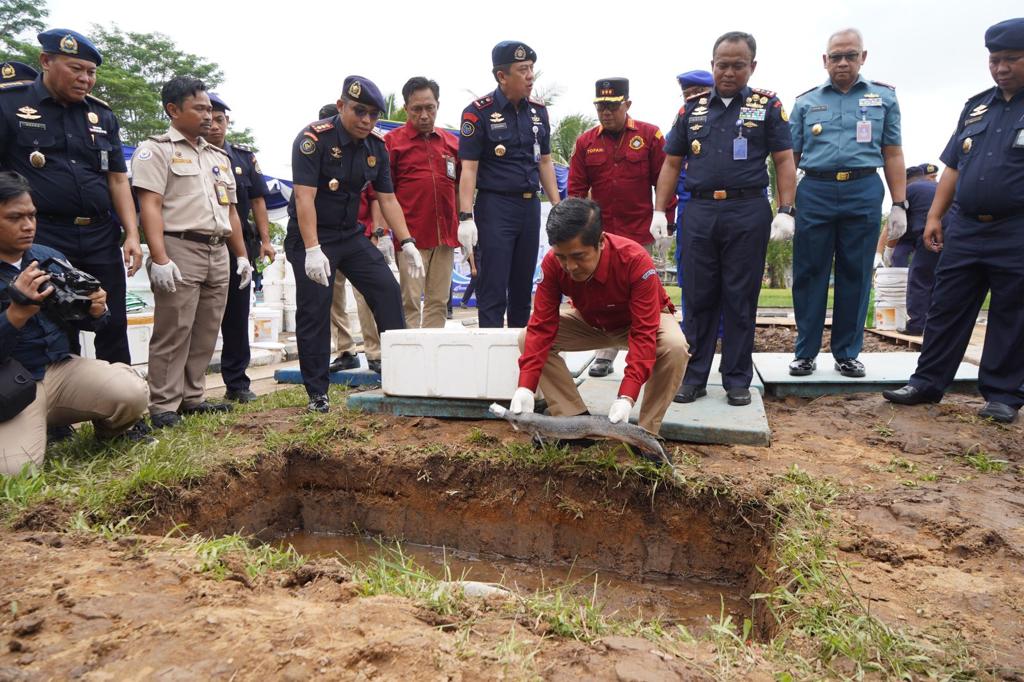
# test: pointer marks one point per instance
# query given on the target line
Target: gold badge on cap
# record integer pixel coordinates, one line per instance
(966, 146)
(355, 89)
(7, 71)
(520, 53)
(816, 129)
(695, 146)
(335, 152)
(68, 44)
(93, 118)
(37, 159)
(499, 150)
(371, 161)
(333, 185)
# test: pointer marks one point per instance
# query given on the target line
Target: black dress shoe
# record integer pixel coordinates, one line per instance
(850, 368)
(243, 395)
(318, 403)
(56, 434)
(802, 367)
(737, 397)
(911, 332)
(374, 365)
(601, 368)
(344, 361)
(206, 407)
(909, 395)
(163, 420)
(688, 393)
(998, 412)
(138, 433)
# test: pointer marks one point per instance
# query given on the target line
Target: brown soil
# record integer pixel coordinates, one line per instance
(782, 339)
(929, 542)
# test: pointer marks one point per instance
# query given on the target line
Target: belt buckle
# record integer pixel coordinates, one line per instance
(986, 218)
(215, 240)
(843, 176)
(527, 195)
(719, 194)
(79, 220)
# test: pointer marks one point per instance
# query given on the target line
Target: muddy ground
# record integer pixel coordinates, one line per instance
(931, 537)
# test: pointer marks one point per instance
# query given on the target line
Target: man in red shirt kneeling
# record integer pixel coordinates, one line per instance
(617, 301)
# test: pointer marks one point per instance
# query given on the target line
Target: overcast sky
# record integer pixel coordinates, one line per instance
(283, 61)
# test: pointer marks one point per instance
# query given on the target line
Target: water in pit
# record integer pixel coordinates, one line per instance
(687, 602)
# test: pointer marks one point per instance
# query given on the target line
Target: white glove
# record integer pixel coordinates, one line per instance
(387, 248)
(783, 227)
(659, 225)
(244, 271)
(620, 410)
(164, 276)
(522, 401)
(897, 222)
(413, 261)
(887, 256)
(879, 261)
(318, 268)
(467, 235)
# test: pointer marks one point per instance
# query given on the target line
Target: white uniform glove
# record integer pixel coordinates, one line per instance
(387, 247)
(897, 222)
(620, 410)
(164, 276)
(244, 271)
(879, 261)
(318, 268)
(467, 235)
(413, 261)
(522, 401)
(783, 227)
(659, 225)
(887, 256)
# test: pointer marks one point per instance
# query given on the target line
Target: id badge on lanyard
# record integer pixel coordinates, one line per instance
(864, 127)
(449, 167)
(536, 145)
(739, 143)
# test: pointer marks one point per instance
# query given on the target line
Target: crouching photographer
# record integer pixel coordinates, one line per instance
(41, 383)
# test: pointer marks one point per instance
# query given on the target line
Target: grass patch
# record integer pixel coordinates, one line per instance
(237, 556)
(779, 298)
(981, 461)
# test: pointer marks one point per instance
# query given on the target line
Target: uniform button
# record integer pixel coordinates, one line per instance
(999, 130)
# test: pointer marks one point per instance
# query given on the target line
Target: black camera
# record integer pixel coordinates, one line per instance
(71, 288)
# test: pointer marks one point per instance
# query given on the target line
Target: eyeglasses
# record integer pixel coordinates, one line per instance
(364, 112)
(837, 57)
(607, 106)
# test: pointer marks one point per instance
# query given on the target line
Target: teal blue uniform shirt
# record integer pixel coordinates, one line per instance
(824, 125)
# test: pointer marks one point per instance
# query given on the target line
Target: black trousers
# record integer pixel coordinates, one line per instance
(234, 330)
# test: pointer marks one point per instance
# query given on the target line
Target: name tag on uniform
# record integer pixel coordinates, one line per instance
(449, 166)
(222, 194)
(739, 148)
(104, 160)
(864, 132)
(499, 126)
(751, 114)
(870, 102)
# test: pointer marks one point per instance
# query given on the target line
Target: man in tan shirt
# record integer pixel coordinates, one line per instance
(186, 196)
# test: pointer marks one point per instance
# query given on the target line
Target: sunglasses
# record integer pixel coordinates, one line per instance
(851, 57)
(365, 112)
(608, 106)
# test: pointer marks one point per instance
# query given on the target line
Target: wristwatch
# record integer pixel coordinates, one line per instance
(905, 205)
(463, 215)
(788, 210)
(408, 240)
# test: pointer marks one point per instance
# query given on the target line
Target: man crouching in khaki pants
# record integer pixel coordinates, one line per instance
(62, 388)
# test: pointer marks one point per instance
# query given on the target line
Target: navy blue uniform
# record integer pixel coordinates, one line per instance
(911, 249)
(508, 141)
(983, 250)
(65, 153)
(324, 156)
(234, 328)
(726, 224)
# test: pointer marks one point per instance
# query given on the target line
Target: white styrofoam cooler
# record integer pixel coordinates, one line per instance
(450, 363)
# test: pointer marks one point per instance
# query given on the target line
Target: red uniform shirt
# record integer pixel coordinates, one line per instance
(620, 173)
(624, 292)
(424, 170)
(365, 213)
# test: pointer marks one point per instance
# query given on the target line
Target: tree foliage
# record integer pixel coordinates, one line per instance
(19, 21)
(566, 131)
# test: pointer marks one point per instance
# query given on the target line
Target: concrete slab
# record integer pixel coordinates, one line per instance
(883, 371)
(349, 377)
(714, 379)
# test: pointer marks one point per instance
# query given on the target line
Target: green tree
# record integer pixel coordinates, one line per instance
(779, 259)
(392, 110)
(566, 131)
(20, 20)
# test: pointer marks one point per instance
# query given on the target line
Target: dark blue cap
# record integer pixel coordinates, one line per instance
(510, 52)
(690, 78)
(11, 72)
(922, 170)
(70, 43)
(217, 102)
(363, 90)
(1006, 35)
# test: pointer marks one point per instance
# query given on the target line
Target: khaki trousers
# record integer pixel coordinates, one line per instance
(610, 354)
(574, 334)
(343, 341)
(112, 397)
(185, 325)
(433, 288)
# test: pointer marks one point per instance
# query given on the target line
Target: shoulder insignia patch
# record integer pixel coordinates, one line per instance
(884, 85)
(538, 102)
(981, 94)
(467, 129)
(807, 91)
(761, 91)
(698, 95)
(321, 126)
(162, 137)
(378, 133)
(657, 134)
(311, 136)
(483, 102)
(98, 101)
(470, 116)
(307, 147)
(244, 147)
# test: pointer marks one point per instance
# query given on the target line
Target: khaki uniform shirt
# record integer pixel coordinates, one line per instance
(196, 182)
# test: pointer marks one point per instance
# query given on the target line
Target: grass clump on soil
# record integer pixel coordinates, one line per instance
(983, 462)
(240, 557)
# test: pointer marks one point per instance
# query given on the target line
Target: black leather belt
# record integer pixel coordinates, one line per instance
(841, 175)
(722, 194)
(81, 221)
(521, 195)
(985, 217)
(199, 237)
